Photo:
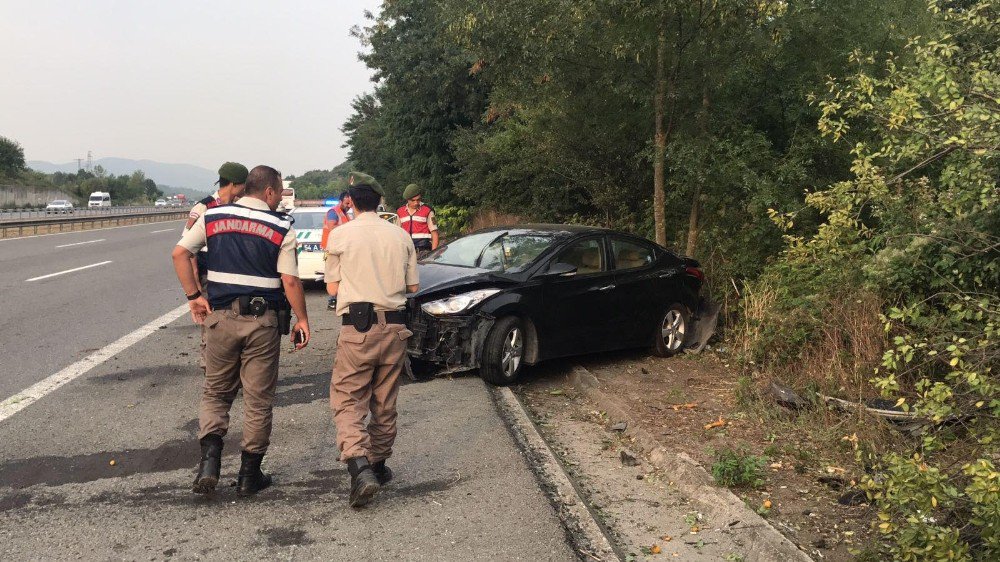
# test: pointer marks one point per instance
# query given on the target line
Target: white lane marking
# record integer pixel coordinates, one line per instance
(67, 271)
(164, 230)
(32, 394)
(78, 243)
(80, 231)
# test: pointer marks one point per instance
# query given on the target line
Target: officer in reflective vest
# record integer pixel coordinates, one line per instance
(252, 280)
(417, 219)
(232, 180)
(337, 216)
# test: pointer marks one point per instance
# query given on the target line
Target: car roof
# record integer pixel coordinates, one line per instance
(546, 227)
(300, 210)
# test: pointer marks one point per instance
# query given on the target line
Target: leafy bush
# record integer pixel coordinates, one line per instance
(737, 468)
(451, 220)
(916, 228)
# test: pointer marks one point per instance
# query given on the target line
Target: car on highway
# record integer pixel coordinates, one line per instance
(59, 206)
(99, 199)
(308, 224)
(160, 203)
(506, 297)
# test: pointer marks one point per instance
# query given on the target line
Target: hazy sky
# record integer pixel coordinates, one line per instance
(183, 81)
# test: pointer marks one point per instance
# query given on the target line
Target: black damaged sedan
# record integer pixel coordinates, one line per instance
(502, 298)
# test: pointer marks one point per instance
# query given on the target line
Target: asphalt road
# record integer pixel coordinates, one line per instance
(463, 489)
(52, 322)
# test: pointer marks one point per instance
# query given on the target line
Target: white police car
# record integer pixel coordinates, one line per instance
(308, 227)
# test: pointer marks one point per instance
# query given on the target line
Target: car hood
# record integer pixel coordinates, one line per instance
(440, 278)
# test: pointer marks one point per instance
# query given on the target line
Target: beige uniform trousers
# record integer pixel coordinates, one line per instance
(366, 379)
(240, 351)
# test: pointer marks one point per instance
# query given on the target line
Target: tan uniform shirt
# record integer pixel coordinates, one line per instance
(195, 239)
(373, 260)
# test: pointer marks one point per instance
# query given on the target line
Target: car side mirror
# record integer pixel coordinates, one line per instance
(559, 269)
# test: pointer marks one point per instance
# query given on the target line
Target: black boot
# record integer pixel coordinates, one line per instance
(364, 485)
(382, 472)
(211, 464)
(251, 479)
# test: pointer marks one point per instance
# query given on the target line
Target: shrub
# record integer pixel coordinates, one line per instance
(737, 468)
(916, 227)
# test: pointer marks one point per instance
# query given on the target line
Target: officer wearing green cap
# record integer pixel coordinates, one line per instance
(417, 219)
(232, 181)
(371, 265)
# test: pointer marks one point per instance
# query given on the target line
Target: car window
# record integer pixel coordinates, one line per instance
(586, 255)
(631, 255)
(493, 250)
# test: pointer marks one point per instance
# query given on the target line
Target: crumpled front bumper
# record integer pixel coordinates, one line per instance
(454, 343)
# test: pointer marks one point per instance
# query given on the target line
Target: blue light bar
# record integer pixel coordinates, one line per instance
(332, 202)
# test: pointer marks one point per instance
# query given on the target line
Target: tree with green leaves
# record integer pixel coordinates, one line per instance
(11, 158)
(918, 225)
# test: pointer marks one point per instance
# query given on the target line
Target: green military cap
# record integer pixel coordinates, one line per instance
(357, 180)
(412, 191)
(233, 172)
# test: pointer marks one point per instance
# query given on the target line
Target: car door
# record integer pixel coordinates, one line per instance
(576, 307)
(637, 298)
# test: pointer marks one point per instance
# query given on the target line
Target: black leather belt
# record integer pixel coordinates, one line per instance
(391, 317)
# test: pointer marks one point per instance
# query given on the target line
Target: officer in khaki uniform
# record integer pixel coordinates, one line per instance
(252, 283)
(232, 181)
(371, 265)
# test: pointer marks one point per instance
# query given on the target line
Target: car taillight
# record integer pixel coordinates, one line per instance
(695, 272)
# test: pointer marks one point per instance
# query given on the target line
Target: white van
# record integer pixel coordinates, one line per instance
(99, 199)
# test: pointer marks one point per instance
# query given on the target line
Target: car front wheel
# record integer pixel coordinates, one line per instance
(503, 352)
(672, 331)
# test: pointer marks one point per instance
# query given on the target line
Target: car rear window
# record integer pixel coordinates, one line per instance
(308, 221)
(631, 255)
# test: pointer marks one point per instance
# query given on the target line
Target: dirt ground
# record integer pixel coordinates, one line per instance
(676, 399)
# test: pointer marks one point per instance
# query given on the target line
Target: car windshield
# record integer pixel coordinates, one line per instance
(59, 202)
(495, 251)
(308, 221)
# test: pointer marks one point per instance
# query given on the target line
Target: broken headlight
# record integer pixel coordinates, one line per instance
(457, 303)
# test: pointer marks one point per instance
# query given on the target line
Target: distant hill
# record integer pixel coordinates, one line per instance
(181, 176)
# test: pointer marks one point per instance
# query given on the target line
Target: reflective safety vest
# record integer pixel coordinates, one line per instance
(209, 202)
(329, 225)
(417, 223)
(243, 248)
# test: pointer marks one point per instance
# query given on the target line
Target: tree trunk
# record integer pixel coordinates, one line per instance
(660, 140)
(692, 237)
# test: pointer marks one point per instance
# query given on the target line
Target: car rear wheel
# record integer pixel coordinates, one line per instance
(672, 331)
(503, 352)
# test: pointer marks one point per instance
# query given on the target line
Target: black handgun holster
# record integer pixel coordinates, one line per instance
(284, 313)
(362, 315)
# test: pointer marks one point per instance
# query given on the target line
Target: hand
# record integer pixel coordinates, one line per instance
(199, 309)
(304, 327)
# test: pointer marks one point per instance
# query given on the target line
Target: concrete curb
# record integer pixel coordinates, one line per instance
(586, 534)
(720, 505)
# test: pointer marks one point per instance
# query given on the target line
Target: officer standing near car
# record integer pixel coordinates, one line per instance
(339, 215)
(232, 180)
(417, 219)
(371, 265)
(252, 282)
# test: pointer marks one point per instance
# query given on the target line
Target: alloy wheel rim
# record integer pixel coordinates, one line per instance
(672, 330)
(513, 348)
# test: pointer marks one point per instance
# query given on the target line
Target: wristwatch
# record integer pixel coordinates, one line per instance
(194, 296)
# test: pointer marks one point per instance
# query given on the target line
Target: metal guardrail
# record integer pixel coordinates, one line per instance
(70, 223)
(7, 215)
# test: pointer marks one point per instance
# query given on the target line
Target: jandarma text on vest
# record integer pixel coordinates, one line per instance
(244, 226)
